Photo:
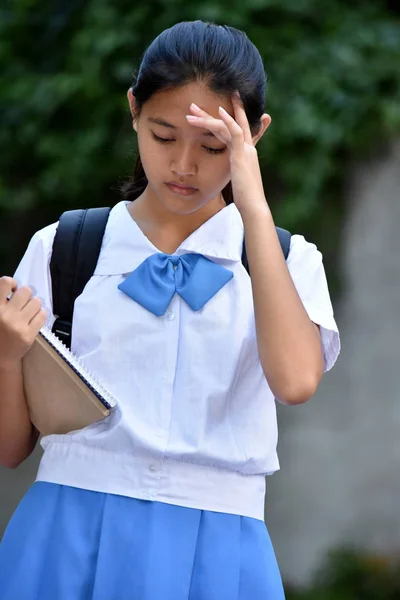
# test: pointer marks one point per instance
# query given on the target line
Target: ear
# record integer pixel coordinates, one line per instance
(133, 108)
(265, 123)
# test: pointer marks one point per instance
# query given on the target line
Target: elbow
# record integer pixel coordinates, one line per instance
(10, 462)
(298, 393)
(12, 456)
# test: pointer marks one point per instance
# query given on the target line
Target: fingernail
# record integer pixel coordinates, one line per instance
(194, 106)
(222, 110)
(191, 118)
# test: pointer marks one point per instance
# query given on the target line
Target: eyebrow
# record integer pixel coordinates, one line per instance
(159, 121)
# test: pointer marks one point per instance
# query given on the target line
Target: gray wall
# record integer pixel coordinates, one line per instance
(340, 453)
(14, 483)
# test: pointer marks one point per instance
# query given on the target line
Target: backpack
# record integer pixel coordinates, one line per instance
(76, 250)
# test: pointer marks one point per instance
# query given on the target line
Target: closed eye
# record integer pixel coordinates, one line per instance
(215, 150)
(162, 140)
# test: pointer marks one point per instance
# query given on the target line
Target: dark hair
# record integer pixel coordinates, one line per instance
(221, 56)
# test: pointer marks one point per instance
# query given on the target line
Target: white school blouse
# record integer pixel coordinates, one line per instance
(196, 421)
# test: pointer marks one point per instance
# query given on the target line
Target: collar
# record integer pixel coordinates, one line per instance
(125, 246)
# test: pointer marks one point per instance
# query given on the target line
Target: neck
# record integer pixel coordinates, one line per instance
(165, 229)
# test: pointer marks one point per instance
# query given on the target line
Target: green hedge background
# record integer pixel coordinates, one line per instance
(65, 134)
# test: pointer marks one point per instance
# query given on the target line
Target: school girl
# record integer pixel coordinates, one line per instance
(164, 499)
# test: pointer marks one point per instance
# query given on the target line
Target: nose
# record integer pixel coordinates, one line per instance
(183, 164)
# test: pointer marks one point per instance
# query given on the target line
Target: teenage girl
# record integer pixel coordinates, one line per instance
(164, 499)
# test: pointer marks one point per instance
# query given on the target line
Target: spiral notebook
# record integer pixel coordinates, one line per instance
(61, 393)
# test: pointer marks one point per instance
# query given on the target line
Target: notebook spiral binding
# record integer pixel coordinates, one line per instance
(79, 368)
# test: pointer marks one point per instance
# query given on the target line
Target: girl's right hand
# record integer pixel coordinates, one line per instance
(21, 318)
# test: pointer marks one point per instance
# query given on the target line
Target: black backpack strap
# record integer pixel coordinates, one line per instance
(76, 250)
(284, 238)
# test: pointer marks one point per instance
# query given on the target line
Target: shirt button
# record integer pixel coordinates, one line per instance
(153, 468)
(170, 316)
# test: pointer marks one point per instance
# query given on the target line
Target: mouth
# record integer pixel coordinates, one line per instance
(182, 190)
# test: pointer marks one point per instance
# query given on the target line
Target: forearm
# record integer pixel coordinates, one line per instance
(289, 343)
(17, 435)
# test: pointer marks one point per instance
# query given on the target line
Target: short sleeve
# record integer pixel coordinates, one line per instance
(306, 268)
(34, 268)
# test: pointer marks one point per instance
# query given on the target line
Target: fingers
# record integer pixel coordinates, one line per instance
(203, 120)
(12, 296)
(199, 111)
(21, 297)
(241, 118)
(8, 285)
(231, 131)
(21, 301)
(217, 127)
(31, 309)
(38, 320)
(234, 128)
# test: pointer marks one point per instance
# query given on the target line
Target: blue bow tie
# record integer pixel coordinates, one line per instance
(193, 276)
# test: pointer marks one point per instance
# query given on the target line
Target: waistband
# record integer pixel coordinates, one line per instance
(182, 483)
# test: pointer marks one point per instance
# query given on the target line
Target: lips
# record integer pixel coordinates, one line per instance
(179, 188)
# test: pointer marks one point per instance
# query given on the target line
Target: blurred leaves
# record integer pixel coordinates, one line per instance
(65, 66)
(349, 575)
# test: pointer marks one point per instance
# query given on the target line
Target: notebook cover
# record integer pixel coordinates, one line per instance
(58, 400)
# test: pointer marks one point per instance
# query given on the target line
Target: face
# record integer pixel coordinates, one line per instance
(186, 167)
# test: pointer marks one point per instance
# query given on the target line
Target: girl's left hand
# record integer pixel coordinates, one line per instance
(235, 132)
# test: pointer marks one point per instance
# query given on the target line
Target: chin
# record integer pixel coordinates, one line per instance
(183, 208)
(183, 205)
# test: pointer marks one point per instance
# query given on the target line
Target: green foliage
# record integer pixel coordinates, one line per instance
(349, 575)
(65, 132)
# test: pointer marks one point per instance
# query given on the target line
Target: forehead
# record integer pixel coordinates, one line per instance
(175, 103)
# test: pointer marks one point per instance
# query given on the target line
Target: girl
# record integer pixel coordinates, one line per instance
(164, 499)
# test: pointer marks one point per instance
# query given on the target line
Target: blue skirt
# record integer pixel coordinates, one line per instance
(65, 543)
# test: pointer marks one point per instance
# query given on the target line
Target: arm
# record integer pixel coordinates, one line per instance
(289, 344)
(21, 318)
(18, 437)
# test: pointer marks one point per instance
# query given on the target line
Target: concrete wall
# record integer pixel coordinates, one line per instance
(340, 453)
(13, 485)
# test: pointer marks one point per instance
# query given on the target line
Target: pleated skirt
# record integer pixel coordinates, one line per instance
(65, 543)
